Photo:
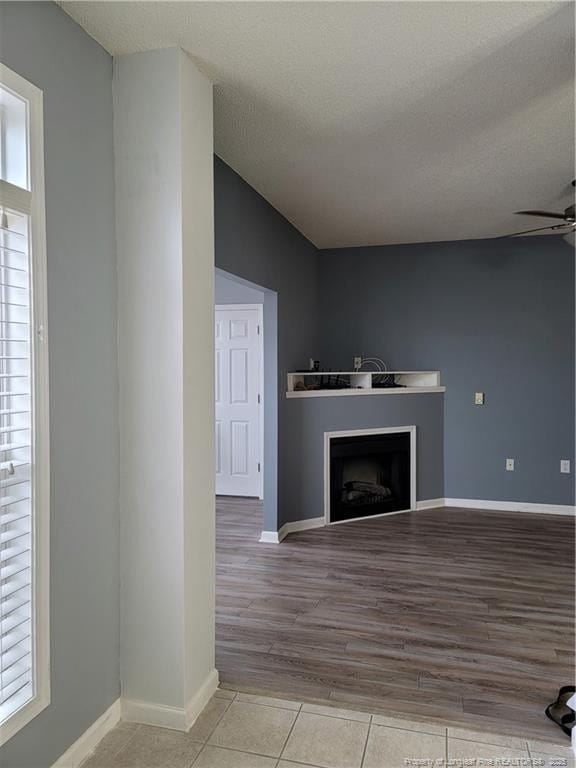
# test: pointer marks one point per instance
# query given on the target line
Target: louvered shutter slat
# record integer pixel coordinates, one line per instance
(7, 501)
(9, 691)
(17, 636)
(16, 670)
(16, 653)
(11, 569)
(11, 553)
(12, 535)
(14, 622)
(11, 587)
(9, 482)
(13, 517)
(16, 525)
(7, 466)
(16, 603)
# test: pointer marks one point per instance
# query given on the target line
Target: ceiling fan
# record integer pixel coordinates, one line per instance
(567, 217)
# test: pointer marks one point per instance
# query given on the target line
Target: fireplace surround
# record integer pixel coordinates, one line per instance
(369, 473)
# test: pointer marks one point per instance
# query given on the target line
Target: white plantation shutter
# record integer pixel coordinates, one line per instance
(16, 452)
(24, 465)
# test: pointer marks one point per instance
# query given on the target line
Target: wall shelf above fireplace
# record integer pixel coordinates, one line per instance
(339, 383)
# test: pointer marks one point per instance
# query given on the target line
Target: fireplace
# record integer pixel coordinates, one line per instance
(369, 472)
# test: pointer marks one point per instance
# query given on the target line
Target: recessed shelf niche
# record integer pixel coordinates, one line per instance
(347, 383)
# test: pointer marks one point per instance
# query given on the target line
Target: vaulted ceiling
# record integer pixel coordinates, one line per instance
(379, 122)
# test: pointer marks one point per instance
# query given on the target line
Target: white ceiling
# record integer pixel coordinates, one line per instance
(378, 122)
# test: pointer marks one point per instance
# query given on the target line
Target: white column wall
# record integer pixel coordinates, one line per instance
(164, 224)
(198, 360)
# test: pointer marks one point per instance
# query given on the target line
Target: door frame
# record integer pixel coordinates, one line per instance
(260, 309)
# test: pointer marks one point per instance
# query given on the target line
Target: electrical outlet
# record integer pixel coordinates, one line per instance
(565, 466)
(479, 398)
(509, 465)
(357, 363)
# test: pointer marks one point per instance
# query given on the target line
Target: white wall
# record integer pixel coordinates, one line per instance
(164, 215)
(198, 358)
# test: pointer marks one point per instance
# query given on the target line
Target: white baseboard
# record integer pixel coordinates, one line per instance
(163, 716)
(87, 743)
(202, 697)
(138, 712)
(271, 537)
(429, 504)
(512, 506)
(301, 525)
(498, 506)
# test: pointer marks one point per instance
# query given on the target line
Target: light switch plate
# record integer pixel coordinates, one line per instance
(479, 398)
(565, 466)
(509, 465)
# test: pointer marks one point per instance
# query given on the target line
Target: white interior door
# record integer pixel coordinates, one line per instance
(238, 379)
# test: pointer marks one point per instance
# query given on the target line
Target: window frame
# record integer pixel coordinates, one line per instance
(35, 198)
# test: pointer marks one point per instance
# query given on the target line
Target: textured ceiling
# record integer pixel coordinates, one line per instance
(378, 122)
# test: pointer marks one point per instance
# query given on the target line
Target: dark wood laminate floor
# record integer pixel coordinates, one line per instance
(456, 614)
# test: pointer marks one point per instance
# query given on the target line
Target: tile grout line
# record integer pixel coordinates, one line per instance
(240, 751)
(411, 730)
(490, 743)
(193, 763)
(290, 732)
(272, 706)
(299, 762)
(115, 752)
(205, 744)
(225, 698)
(366, 742)
(339, 717)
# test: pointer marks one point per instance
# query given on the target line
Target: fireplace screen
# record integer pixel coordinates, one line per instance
(369, 475)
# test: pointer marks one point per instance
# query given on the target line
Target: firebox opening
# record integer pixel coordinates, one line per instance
(369, 475)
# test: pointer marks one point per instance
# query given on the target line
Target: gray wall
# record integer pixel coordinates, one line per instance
(255, 242)
(310, 417)
(229, 291)
(492, 316)
(41, 43)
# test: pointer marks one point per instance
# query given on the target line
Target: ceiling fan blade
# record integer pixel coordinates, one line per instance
(545, 214)
(538, 229)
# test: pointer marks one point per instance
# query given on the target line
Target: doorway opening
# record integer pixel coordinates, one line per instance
(246, 394)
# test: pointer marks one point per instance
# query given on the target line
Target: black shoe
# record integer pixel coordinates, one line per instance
(560, 713)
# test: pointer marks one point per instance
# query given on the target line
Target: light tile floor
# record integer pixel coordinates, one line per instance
(239, 730)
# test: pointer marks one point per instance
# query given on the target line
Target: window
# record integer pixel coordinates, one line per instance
(24, 469)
